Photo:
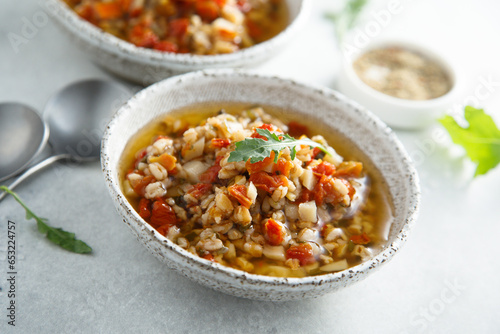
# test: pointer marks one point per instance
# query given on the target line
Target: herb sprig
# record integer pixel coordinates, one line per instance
(347, 18)
(58, 236)
(257, 149)
(481, 140)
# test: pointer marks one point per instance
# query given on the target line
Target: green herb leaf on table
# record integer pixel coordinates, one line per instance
(348, 17)
(257, 149)
(58, 236)
(481, 140)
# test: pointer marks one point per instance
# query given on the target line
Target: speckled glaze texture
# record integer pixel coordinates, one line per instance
(146, 66)
(331, 111)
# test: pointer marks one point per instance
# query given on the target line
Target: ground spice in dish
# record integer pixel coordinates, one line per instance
(402, 73)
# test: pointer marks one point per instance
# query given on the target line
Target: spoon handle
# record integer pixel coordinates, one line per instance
(32, 170)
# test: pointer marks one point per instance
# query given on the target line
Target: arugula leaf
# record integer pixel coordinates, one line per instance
(348, 17)
(257, 149)
(58, 236)
(481, 140)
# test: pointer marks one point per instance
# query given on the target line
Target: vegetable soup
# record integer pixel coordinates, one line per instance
(266, 195)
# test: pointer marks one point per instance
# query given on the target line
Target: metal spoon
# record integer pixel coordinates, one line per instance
(77, 116)
(23, 135)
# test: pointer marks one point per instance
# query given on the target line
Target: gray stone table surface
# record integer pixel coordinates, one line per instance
(445, 279)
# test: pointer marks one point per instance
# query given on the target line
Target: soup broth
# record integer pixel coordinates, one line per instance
(315, 214)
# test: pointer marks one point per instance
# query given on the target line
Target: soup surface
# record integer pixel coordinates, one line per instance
(288, 215)
(202, 27)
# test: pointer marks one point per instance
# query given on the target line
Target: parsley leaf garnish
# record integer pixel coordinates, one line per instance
(481, 140)
(58, 236)
(257, 149)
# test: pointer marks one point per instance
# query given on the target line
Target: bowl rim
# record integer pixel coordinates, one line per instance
(413, 201)
(116, 45)
(443, 61)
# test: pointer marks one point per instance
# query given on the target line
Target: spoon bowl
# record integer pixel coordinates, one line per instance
(78, 114)
(23, 135)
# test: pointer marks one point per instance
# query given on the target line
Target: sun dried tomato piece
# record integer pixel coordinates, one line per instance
(283, 167)
(302, 252)
(199, 189)
(324, 168)
(142, 36)
(162, 214)
(108, 10)
(207, 9)
(349, 169)
(211, 175)
(326, 192)
(267, 182)
(163, 230)
(315, 152)
(145, 208)
(220, 142)
(239, 192)
(306, 195)
(140, 187)
(274, 232)
(178, 27)
(360, 239)
(166, 46)
(260, 166)
(221, 3)
(265, 126)
(209, 257)
(87, 12)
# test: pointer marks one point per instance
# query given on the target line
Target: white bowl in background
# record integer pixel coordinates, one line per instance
(146, 66)
(399, 113)
(330, 110)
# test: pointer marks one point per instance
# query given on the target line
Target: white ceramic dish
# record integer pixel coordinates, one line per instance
(399, 113)
(146, 66)
(332, 111)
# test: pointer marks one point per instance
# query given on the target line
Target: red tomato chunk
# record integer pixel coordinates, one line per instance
(301, 252)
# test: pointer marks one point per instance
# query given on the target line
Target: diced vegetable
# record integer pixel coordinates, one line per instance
(194, 170)
(349, 169)
(162, 214)
(211, 174)
(307, 212)
(108, 10)
(302, 252)
(141, 185)
(268, 183)
(275, 233)
(274, 252)
(144, 208)
(199, 189)
(239, 192)
(335, 266)
(361, 239)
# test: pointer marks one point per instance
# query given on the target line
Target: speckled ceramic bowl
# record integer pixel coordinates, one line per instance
(330, 110)
(146, 66)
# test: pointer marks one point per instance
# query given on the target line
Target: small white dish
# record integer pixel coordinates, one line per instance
(146, 66)
(399, 113)
(331, 111)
